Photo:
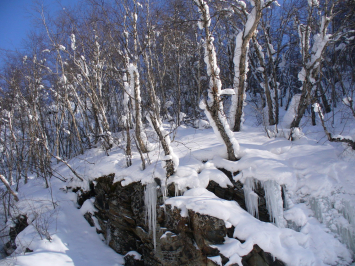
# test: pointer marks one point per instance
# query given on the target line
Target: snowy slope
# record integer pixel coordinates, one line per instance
(318, 180)
(73, 241)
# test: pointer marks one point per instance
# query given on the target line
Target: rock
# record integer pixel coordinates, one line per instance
(84, 195)
(20, 225)
(257, 257)
(10, 247)
(132, 259)
(28, 250)
(207, 231)
(88, 217)
(180, 240)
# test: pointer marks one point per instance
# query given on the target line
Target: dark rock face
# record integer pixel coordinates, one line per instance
(180, 240)
(257, 257)
(20, 225)
(130, 260)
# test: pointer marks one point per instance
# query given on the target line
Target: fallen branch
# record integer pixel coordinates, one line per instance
(350, 142)
(7, 185)
(63, 161)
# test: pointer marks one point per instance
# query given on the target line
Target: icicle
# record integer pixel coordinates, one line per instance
(347, 231)
(150, 201)
(341, 221)
(251, 198)
(164, 189)
(176, 190)
(108, 235)
(274, 203)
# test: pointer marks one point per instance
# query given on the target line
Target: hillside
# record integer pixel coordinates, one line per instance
(314, 226)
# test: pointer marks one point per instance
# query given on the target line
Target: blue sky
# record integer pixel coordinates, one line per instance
(16, 20)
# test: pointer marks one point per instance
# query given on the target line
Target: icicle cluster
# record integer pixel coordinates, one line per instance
(251, 198)
(274, 202)
(150, 201)
(273, 198)
(341, 221)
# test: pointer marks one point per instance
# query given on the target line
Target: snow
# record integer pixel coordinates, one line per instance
(73, 241)
(227, 92)
(201, 124)
(72, 39)
(134, 254)
(347, 101)
(216, 259)
(88, 206)
(312, 3)
(285, 244)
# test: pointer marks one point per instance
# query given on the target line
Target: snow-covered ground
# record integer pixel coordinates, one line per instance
(320, 197)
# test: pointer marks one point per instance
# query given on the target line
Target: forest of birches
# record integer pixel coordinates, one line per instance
(98, 73)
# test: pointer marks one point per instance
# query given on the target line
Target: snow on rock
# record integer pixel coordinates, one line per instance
(318, 209)
(216, 259)
(287, 245)
(58, 236)
(88, 206)
(134, 254)
(297, 214)
(201, 124)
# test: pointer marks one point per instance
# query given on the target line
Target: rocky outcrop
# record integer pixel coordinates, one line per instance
(180, 240)
(20, 225)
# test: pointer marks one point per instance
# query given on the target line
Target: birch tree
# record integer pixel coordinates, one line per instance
(312, 53)
(171, 161)
(250, 20)
(213, 105)
(132, 87)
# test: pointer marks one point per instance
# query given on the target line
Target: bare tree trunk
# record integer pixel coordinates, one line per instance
(138, 114)
(169, 164)
(269, 100)
(213, 106)
(240, 63)
(311, 61)
(348, 141)
(128, 146)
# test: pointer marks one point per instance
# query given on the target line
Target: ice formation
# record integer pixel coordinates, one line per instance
(150, 201)
(341, 221)
(273, 198)
(274, 202)
(251, 198)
